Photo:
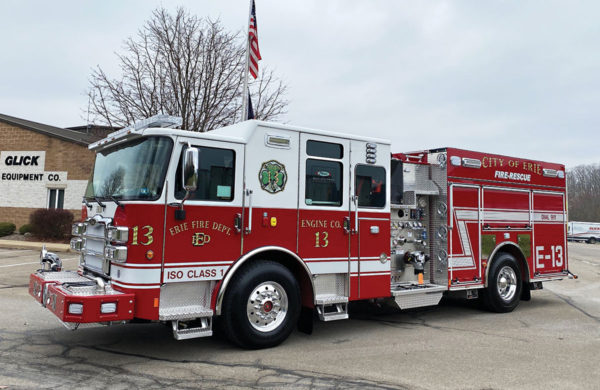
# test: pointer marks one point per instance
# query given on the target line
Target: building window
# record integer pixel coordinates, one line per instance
(56, 198)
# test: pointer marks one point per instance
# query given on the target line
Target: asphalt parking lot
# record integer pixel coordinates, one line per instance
(552, 341)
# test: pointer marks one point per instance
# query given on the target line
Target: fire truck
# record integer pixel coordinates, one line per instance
(260, 227)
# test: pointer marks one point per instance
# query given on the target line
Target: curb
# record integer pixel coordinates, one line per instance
(52, 247)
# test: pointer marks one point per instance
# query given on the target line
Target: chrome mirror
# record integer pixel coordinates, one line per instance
(189, 177)
(190, 169)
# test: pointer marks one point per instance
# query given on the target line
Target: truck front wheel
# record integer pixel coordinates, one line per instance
(504, 284)
(262, 306)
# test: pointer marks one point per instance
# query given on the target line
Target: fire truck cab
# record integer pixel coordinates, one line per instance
(255, 223)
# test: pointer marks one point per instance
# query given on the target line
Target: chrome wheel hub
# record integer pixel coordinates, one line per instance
(267, 306)
(507, 283)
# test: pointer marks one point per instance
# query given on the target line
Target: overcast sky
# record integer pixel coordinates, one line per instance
(520, 78)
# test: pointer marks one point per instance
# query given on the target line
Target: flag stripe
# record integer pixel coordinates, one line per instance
(253, 44)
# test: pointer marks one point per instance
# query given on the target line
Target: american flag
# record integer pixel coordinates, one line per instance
(253, 43)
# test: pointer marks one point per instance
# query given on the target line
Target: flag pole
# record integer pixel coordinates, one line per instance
(246, 68)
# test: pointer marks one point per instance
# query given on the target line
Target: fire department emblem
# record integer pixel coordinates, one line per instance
(272, 176)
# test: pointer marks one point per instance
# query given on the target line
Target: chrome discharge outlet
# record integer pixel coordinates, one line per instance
(50, 261)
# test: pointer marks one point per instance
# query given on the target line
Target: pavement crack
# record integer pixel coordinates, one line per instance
(571, 303)
(425, 323)
(275, 373)
(13, 286)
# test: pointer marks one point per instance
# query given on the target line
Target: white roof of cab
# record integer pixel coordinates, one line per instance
(244, 130)
(237, 133)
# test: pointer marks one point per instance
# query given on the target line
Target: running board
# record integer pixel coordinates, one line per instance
(183, 313)
(201, 327)
(332, 307)
(409, 295)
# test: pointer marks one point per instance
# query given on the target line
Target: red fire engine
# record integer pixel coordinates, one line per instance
(260, 225)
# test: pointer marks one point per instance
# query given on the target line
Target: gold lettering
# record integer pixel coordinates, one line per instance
(321, 239)
(199, 239)
(135, 236)
(148, 235)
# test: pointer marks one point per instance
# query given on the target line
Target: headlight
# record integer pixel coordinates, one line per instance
(77, 244)
(75, 308)
(118, 234)
(115, 253)
(78, 229)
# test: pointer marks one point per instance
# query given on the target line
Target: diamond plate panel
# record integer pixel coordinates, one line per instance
(185, 300)
(418, 300)
(330, 284)
(62, 276)
(88, 290)
(437, 272)
(184, 312)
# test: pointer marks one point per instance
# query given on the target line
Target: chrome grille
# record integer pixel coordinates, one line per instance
(94, 242)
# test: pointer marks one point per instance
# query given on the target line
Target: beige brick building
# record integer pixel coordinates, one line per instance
(41, 166)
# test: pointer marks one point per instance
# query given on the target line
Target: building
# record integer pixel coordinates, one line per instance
(42, 166)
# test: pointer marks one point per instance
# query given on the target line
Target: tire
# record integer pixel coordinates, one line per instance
(262, 305)
(592, 240)
(504, 284)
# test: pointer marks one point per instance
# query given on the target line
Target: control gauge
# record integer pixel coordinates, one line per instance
(422, 202)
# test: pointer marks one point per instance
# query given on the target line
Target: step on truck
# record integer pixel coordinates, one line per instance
(258, 227)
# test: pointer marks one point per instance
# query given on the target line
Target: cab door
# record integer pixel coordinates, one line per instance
(202, 245)
(370, 221)
(324, 206)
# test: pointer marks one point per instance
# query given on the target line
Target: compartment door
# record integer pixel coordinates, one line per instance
(464, 260)
(549, 233)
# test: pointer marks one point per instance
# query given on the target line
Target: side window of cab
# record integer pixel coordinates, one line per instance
(324, 174)
(216, 175)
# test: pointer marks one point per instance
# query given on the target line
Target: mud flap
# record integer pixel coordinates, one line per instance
(526, 292)
(305, 321)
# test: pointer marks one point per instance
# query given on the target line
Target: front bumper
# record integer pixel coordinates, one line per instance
(77, 299)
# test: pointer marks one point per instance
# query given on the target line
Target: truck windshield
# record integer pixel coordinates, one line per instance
(130, 171)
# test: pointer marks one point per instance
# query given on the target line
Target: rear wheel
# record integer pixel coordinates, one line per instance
(592, 240)
(262, 306)
(504, 284)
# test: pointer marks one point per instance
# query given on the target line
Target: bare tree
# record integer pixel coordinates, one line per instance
(584, 193)
(185, 66)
